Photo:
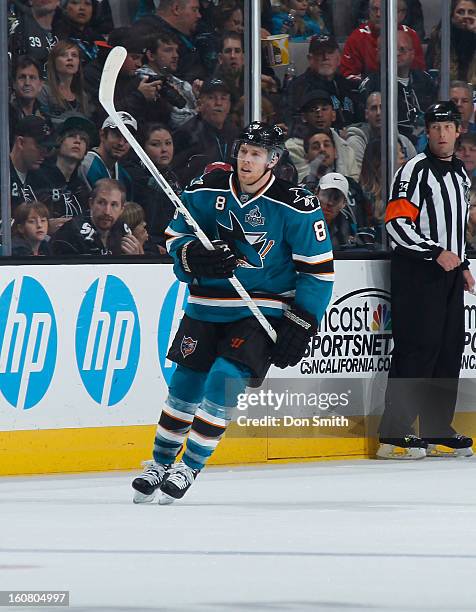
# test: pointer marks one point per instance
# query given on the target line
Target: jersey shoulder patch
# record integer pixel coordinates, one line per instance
(217, 179)
(294, 196)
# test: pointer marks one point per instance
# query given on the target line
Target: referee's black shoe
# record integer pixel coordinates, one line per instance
(407, 447)
(456, 445)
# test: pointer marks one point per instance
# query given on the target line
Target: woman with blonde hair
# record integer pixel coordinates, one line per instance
(64, 91)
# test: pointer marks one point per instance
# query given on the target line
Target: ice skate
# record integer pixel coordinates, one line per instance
(147, 484)
(452, 446)
(177, 482)
(408, 447)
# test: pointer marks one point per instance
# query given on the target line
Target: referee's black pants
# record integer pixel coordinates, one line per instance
(428, 334)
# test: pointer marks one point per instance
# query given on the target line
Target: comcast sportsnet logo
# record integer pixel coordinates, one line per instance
(381, 319)
(355, 335)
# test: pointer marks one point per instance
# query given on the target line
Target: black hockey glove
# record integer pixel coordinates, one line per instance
(199, 261)
(296, 329)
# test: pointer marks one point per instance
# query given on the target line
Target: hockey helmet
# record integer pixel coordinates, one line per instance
(260, 134)
(445, 111)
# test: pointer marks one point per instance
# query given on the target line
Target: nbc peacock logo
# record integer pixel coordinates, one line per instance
(381, 319)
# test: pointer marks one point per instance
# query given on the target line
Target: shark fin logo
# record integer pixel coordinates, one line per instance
(249, 247)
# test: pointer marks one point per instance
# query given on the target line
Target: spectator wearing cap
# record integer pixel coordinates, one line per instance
(26, 88)
(157, 141)
(302, 27)
(416, 89)
(161, 53)
(361, 52)
(317, 112)
(322, 74)
(64, 90)
(180, 18)
(209, 136)
(33, 141)
(322, 158)
(462, 95)
(58, 183)
(104, 161)
(333, 194)
(31, 29)
(359, 135)
(100, 230)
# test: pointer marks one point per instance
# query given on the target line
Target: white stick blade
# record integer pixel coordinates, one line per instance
(111, 70)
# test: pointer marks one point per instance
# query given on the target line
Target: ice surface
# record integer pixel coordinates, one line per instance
(337, 536)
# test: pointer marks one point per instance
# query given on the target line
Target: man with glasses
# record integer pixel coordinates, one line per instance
(426, 221)
(361, 54)
(33, 142)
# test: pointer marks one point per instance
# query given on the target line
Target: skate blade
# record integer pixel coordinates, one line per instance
(389, 451)
(165, 500)
(436, 450)
(141, 498)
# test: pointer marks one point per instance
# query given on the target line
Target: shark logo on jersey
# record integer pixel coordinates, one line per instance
(249, 247)
(303, 197)
(254, 217)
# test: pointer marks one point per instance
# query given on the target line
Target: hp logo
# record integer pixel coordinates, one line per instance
(170, 316)
(108, 340)
(28, 342)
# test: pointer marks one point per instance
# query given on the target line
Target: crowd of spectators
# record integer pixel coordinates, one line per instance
(78, 188)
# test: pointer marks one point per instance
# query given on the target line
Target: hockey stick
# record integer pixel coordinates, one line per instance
(107, 86)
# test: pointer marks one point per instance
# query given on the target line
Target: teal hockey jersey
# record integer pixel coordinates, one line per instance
(279, 236)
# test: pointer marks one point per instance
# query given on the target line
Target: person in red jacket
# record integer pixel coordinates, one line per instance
(361, 50)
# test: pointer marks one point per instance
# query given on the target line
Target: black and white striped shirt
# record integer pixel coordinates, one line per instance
(428, 208)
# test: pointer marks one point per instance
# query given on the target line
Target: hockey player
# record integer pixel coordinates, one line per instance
(273, 236)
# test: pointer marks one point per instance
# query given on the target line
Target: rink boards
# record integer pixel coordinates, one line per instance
(84, 373)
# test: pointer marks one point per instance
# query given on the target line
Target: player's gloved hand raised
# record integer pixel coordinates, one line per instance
(295, 330)
(199, 261)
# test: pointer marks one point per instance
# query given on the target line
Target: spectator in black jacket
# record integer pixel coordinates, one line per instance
(58, 183)
(416, 89)
(322, 74)
(98, 231)
(180, 18)
(31, 29)
(33, 141)
(208, 137)
(75, 23)
(157, 142)
(133, 94)
(30, 229)
(26, 87)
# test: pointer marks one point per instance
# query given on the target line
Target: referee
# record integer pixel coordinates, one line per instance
(426, 220)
